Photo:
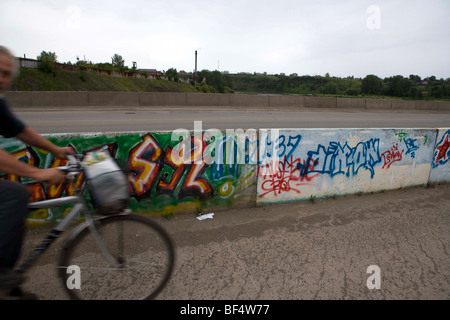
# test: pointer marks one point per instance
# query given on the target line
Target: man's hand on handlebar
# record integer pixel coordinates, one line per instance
(52, 176)
(63, 152)
(56, 176)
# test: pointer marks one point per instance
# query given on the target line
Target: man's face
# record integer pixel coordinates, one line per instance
(6, 72)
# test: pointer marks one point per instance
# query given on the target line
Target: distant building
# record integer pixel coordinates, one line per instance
(153, 73)
(32, 63)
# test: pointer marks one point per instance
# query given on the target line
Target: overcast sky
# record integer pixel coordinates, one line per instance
(339, 37)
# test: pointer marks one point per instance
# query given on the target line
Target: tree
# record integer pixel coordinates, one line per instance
(414, 78)
(172, 74)
(371, 84)
(415, 93)
(118, 62)
(398, 86)
(47, 61)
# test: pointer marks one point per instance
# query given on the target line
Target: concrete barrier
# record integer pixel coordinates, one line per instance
(99, 98)
(351, 103)
(320, 102)
(59, 98)
(241, 169)
(328, 162)
(96, 98)
(248, 100)
(287, 101)
(208, 99)
(158, 183)
(162, 99)
(440, 164)
(426, 105)
(403, 105)
(378, 104)
(444, 106)
(19, 98)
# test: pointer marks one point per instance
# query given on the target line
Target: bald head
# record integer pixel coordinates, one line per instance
(7, 69)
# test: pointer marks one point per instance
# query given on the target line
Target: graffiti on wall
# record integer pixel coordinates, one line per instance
(442, 150)
(157, 177)
(208, 169)
(311, 159)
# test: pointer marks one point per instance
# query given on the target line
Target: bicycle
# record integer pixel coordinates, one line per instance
(118, 256)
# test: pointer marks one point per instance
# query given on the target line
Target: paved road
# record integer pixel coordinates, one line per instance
(304, 250)
(118, 119)
(293, 251)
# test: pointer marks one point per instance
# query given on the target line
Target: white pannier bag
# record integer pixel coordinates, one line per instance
(107, 184)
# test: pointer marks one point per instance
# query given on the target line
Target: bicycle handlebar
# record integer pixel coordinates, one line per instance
(74, 164)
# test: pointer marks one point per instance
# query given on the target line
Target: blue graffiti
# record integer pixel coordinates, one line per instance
(442, 151)
(281, 148)
(230, 153)
(411, 146)
(338, 159)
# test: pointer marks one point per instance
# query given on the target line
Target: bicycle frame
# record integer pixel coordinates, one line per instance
(80, 206)
(55, 232)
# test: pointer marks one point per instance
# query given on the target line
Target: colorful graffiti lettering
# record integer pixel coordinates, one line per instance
(143, 166)
(411, 146)
(156, 170)
(338, 159)
(401, 135)
(39, 191)
(392, 155)
(442, 151)
(147, 160)
(276, 146)
(284, 176)
(27, 155)
(211, 169)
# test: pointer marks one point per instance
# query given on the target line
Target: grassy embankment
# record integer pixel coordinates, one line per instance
(62, 80)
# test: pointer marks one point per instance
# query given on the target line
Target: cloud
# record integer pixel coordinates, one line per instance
(304, 37)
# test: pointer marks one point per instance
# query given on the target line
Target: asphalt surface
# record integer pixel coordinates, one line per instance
(119, 119)
(302, 250)
(294, 251)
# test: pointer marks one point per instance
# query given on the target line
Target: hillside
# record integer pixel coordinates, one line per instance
(64, 80)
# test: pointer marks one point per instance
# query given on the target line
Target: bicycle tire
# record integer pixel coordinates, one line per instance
(147, 260)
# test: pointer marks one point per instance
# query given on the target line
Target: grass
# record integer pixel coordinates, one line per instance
(64, 80)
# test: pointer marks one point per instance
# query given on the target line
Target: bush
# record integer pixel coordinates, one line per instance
(83, 76)
(352, 92)
(415, 93)
(371, 84)
(47, 62)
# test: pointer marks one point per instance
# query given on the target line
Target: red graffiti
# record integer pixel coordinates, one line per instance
(27, 155)
(443, 148)
(143, 165)
(147, 160)
(194, 184)
(285, 176)
(392, 155)
(168, 186)
(37, 189)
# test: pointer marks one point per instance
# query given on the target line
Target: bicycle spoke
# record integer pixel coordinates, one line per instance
(143, 259)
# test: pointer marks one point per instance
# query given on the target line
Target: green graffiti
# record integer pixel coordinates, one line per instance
(159, 184)
(401, 135)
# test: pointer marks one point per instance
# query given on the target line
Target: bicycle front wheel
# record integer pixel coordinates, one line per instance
(137, 264)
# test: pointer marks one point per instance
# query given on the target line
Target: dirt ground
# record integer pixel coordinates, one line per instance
(302, 250)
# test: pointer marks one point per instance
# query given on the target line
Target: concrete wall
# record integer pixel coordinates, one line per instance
(241, 169)
(158, 182)
(328, 162)
(440, 164)
(95, 98)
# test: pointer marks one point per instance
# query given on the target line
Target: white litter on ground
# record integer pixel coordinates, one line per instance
(205, 216)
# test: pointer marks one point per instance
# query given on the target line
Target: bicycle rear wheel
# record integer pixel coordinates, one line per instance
(139, 265)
